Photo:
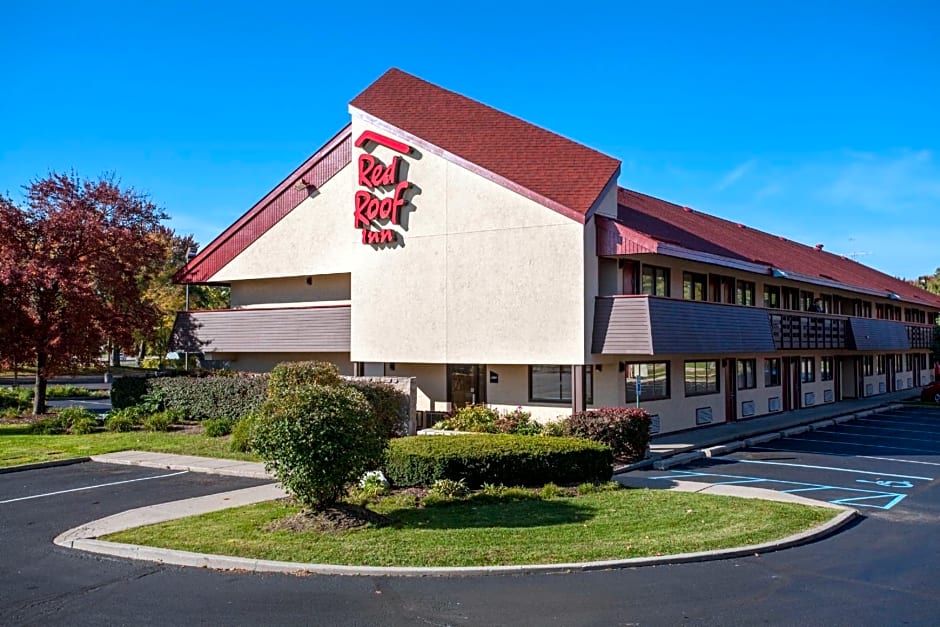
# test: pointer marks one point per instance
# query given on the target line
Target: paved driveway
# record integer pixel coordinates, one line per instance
(875, 464)
(882, 571)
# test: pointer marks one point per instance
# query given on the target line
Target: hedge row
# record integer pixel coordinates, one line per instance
(498, 458)
(210, 397)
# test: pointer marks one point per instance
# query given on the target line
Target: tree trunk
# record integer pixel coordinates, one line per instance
(39, 395)
(115, 356)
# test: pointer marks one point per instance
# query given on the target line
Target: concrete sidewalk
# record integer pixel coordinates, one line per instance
(171, 461)
(686, 446)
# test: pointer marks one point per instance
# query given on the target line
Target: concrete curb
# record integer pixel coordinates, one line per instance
(50, 464)
(83, 538)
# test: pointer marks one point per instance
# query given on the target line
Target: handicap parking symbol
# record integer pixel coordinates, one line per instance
(888, 484)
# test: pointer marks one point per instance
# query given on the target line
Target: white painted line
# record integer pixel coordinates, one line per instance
(898, 448)
(892, 459)
(91, 487)
(882, 437)
(886, 428)
(857, 472)
(903, 423)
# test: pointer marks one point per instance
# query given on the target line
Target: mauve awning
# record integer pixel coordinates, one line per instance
(286, 329)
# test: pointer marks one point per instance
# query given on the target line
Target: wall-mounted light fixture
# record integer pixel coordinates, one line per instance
(598, 367)
(777, 273)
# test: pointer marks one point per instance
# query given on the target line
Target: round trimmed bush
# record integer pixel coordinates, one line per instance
(497, 458)
(290, 377)
(242, 433)
(217, 427)
(626, 430)
(318, 440)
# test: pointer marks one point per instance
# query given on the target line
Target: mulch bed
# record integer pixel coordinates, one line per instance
(341, 517)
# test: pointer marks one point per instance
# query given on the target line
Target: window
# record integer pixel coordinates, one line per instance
(552, 384)
(701, 377)
(721, 287)
(791, 298)
(868, 365)
(654, 381)
(772, 372)
(880, 311)
(899, 362)
(806, 301)
(808, 369)
(654, 281)
(772, 296)
(825, 369)
(693, 286)
(882, 366)
(745, 293)
(747, 373)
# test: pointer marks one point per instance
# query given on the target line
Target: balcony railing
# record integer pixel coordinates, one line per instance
(802, 331)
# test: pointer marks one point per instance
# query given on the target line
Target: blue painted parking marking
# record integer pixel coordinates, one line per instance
(866, 498)
(793, 465)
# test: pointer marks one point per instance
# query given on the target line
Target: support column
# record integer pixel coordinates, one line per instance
(577, 389)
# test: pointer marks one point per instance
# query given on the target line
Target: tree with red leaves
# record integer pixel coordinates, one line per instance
(74, 261)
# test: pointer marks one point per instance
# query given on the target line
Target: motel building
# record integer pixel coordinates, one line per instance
(496, 262)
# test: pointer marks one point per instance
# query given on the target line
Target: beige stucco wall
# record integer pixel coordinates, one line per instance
(483, 275)
(432, 383)
(315, 238)
(290, 291)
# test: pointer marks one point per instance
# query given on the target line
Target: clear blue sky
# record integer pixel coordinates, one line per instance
(813, 120)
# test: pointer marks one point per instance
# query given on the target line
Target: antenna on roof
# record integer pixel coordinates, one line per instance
(854, 255)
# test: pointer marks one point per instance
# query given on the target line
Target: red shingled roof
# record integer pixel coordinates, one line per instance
(669, 223)
(533, 158)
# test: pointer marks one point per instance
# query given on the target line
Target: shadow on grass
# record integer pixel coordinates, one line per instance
(16, 429)
(464, 515)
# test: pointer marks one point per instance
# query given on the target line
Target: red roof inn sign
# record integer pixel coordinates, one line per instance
(383, 198)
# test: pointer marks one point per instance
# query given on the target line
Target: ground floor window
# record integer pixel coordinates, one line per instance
(880, 361)
(807, 369)
(868, 365)
(654, 381)
(701, 377)
(747, 373)
(825, 369)
(772, 372)
(552, 384)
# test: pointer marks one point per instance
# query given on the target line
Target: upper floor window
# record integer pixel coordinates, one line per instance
(772, 296)
(694, 286)
(653, 380)
(806, 301)
(745, 293)
(701, 377)
(721, 287)
(654, 281)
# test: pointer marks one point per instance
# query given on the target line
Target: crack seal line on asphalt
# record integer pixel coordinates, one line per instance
(92, 487)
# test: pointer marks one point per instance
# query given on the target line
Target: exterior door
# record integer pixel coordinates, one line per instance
(791, 383)
(465, 385)
(731, 390)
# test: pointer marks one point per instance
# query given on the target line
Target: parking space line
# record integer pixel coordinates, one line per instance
(897, 448)
(872, 435)
(92, 487)
(903, 423)
(805, 487)
(892, 459)
(887, 428)
(857, 472)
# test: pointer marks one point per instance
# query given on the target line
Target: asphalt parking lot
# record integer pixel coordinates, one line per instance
(881, 464)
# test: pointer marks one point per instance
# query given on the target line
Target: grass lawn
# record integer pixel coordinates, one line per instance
(598, 526)
(18, 446)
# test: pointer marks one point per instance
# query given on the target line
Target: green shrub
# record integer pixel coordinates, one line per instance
(71, 414)
(18, 398)
(72, 391)
(127, 391)
(626, 430)
(391, 406)
(289, 377)
(84, 425)
(318, 440)
(216, 395)
(373, 485)
(160, 421)
(555, 428)
(241, 433)
(508, 459)
(517, 421)
(10, 412)
(50, 425)
(593, 488)
(135, 414)
(550, 491)
(217, 427)
(120, 422)
(449, 489)
(473, 418)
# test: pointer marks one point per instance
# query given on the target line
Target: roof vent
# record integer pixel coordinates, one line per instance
(687, 209)
(778, 273)
(740, 226)
(819, 246)
(781, 238)
(893, 296)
